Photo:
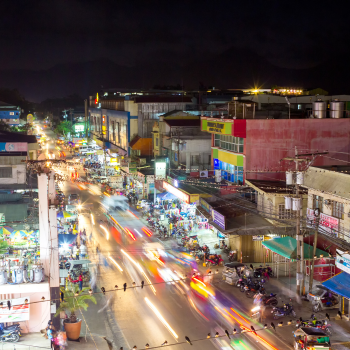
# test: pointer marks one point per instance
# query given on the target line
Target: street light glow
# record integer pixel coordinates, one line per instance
(107, 233)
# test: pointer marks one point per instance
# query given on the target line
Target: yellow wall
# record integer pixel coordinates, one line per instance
(131, 106)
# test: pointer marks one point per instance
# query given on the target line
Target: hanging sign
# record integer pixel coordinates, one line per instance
(19, 310)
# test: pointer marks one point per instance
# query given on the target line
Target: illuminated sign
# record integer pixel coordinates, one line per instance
(160, 170)
(13, 147)
(216, 162)
(96, 99)
(113, 160)
(183, 196)
(329, 224)
(216, 127)
(218, 219)
(342, 261)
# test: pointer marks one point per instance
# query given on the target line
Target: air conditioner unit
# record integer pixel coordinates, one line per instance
(327, 202)
(348, 215)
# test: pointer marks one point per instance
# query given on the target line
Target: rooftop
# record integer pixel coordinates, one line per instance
(6, 136)
(277, 187)
(333, 180)
(162, 99)
(183, 122)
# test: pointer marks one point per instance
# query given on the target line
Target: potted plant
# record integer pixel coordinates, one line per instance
(73, 301)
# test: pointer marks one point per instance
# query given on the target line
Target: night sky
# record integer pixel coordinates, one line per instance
(38, 35)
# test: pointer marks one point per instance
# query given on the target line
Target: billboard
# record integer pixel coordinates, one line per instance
(13, 147)
(329, 224)
(176, 192)
(160, 170)
(19, 310)
(342, 261)
(218, 219)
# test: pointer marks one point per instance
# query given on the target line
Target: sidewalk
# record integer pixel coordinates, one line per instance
(36, 341)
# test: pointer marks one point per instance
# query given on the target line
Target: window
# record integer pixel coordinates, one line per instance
(318, 203)
(230, 143)
(338, 210)
(156, 141)
(284, 213)
(6, 172)
(195, 159)
(113, 131)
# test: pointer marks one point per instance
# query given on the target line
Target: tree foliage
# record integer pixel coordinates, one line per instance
(63, 128)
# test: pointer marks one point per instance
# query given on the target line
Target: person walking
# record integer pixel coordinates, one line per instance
(77, 254)
(80, 279)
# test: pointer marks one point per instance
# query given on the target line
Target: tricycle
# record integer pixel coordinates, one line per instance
(311, 338)
(323, 299)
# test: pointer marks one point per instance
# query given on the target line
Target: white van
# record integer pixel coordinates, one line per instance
(85, 150)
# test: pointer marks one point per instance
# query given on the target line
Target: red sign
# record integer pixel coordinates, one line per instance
(329, 224)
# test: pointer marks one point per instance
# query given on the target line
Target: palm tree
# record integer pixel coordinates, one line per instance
(73, 301)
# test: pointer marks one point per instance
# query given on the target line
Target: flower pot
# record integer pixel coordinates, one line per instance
(72, 329)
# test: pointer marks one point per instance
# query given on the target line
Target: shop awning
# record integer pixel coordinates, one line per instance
(339, 284)
(166, 195)
(287, 247)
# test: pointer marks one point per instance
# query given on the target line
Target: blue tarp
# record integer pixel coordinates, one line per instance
(66, 239)
(166, 195)
(339, 284)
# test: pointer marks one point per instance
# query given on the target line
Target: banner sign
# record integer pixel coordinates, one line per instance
(216, 127)
(13, 147)
(218, 219)
(329, 224)
(342, 261)
(258, 238)
(19, 310)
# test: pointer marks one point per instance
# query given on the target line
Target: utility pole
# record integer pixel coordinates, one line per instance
(300, 288)
(311, 277)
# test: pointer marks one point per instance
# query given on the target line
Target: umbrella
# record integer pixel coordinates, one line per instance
(7, 230)
(64, 214)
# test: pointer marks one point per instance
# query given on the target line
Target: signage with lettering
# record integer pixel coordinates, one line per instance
(310, 217)
(218, 219)
(342, 261)
(216, 127)
(19, 310)
(258, 238)
(13, 147)
(205, 205)
(176, 192)
(329, 224)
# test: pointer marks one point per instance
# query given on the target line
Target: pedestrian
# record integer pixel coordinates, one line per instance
(80, 279)
(266, 274)
(77, 254)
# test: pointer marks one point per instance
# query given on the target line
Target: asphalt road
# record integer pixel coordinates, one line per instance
(180, 310)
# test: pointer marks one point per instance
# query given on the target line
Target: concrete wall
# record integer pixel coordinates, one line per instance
(268, 141)
(19, 174)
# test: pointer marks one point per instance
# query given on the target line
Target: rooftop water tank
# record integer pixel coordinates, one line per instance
(319, 109)
(337, 109)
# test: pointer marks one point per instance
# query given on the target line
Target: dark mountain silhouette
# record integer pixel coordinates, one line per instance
(235, 68)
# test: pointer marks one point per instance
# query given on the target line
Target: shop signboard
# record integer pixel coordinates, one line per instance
(342, 261)
(99, 152)
(116, 179)
(160, 171)
(30, 118)
(205, 205)
(19, 310)
(203, 173)
(218, 219)
(329, 224)
(194, 198)
(13, 147)
(217, 175)
(258, 238)
(176, 192)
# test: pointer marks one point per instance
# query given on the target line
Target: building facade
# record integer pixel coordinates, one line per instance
(10, 114)
(253, 148)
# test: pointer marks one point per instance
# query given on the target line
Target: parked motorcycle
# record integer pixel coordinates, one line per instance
(250, 291)
(266, 300)
(285, 310)
(10, 334)
(258, 272)
(324, 325)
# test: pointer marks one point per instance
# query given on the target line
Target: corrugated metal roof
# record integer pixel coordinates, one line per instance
(162, 99)
(183, 122)
(329, 181)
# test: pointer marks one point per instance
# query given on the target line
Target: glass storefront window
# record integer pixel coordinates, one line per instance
(230, 143)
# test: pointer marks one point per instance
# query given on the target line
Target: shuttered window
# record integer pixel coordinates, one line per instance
(6, 172)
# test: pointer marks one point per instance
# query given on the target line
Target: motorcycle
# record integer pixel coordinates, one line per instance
(232, 256)
(258, 272)
(286, 310)
(10, 334)
(322, 324)
(215, 261)
(250, 291)
(266, 300)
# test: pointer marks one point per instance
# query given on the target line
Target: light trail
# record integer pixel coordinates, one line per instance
(92, 219)
(107, 233)
(249, 330)
(140, 269)
(146, 231)
(161, 318)
(129, 233)
(116, 264)
(138, 232)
